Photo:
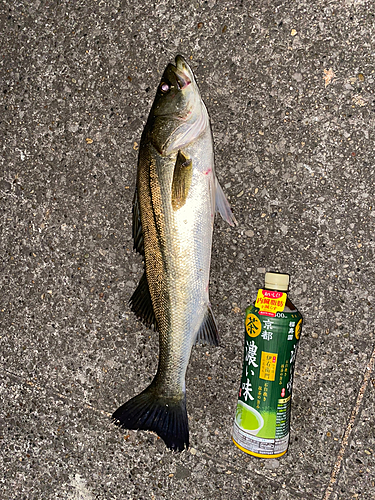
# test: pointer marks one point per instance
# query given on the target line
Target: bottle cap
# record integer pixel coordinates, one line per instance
(276, 281)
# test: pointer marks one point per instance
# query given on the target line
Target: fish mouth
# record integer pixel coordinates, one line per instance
(182, 72)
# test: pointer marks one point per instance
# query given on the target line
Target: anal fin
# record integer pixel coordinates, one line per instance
(208, 332)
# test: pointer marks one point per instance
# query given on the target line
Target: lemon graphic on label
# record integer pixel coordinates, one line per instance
(297, 332)
(253, 325)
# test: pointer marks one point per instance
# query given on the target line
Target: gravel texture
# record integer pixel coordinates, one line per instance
(289, 87)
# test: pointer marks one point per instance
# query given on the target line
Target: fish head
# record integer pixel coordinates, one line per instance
(177, 91)
(177, 109)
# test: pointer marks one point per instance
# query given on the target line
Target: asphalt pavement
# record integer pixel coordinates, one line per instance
(289, 87)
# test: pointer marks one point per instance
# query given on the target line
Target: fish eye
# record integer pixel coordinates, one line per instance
(164, 87)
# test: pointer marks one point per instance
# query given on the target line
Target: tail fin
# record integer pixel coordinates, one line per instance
(165, 416)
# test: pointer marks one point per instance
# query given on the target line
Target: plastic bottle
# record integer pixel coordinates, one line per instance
(272, 331)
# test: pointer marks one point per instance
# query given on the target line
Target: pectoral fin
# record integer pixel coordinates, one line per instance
(182, 175)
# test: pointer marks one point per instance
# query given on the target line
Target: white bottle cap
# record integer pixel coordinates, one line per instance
(276, 281)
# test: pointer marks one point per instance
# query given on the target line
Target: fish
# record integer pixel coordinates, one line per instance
(176, 197)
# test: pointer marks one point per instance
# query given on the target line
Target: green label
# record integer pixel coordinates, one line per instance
(262, 419)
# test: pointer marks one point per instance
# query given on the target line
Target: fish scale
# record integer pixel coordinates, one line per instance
(173, 213)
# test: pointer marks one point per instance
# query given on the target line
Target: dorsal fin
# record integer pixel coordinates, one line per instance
(141, 304)
(137, 226)
(208, 333)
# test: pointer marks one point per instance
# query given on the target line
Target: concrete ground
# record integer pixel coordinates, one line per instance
(289, 87)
